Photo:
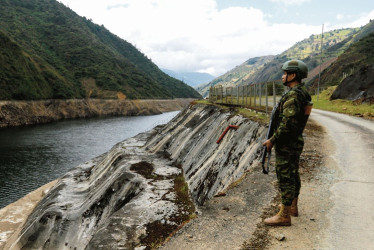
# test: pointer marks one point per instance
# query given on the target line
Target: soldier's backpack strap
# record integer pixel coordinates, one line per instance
(308, 104)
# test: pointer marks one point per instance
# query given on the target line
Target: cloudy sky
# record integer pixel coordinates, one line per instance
(214, 36)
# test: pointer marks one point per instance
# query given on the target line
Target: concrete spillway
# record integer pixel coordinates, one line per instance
(134, 195)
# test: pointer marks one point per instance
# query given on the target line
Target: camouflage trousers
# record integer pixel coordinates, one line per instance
(287, 169)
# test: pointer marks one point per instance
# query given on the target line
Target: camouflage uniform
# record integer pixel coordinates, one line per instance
(288, 141)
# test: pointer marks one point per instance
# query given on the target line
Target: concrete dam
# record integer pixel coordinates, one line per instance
(147, 188)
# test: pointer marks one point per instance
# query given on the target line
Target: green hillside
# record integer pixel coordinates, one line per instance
(17, 67)
(51, 52)
(237, 76)
(308, 50)
(353, 72)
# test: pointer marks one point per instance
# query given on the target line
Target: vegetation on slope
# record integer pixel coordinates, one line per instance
(353, 71)
(71, 57)
(342, 106)
(308, 50)
(237, 76)
(18, 67)
(268, 68)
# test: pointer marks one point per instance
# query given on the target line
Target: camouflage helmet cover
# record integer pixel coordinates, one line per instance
(296, 66)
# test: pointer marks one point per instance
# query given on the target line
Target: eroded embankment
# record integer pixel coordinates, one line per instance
(209, 167)
(17, 113)
(134, 195)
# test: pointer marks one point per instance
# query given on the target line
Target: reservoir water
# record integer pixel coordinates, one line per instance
(33, 156)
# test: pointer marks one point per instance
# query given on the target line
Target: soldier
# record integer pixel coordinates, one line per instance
(290, 120)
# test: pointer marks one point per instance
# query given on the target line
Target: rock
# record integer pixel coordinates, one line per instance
(220, 194)
(280, 237)
(357, 87)
(209, 167)
(136, 194)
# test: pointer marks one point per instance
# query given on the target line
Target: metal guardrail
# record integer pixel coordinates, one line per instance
(260, 96)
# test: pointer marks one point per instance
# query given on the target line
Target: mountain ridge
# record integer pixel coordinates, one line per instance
(75, 58)
(335, 43)
(237, 75)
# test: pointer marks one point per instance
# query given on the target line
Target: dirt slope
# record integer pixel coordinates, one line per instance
(18, 113)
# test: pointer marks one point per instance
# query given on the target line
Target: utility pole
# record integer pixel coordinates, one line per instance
(320, 66)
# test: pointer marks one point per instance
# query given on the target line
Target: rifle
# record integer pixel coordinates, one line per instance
(269, 134)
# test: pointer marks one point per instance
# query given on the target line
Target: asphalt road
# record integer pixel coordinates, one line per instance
(351, 218)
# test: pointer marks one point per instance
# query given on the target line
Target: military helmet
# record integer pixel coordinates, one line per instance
(296, 66)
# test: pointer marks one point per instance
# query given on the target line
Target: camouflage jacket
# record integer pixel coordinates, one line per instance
(290, 120)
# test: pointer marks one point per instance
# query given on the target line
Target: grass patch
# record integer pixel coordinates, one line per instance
(342, 106)
(258, 116)
(252, 114)
(202, 101)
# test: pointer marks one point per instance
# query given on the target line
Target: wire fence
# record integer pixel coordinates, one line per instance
(258, 96)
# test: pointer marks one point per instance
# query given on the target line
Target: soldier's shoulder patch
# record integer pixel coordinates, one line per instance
(289, 112)
(290, 107)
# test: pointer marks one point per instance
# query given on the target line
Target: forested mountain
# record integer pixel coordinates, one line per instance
(48, 51)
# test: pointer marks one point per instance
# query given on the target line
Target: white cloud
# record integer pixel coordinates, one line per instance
(362, 19)
(290, 2)
(193, 35)
(340, 16)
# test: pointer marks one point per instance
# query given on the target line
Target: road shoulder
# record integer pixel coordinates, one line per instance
(317, 171)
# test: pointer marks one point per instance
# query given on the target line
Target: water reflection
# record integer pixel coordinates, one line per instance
(33, 156)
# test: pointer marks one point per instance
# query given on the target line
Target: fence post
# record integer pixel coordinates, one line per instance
(266, 98)
(246, 95)
(251, 95)
(232, 95)
(237, 95)
(225, 94)
(274, 94)
(222, 93)
(229, 100)
(216, 92)
(255, 94)
(260, 94)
